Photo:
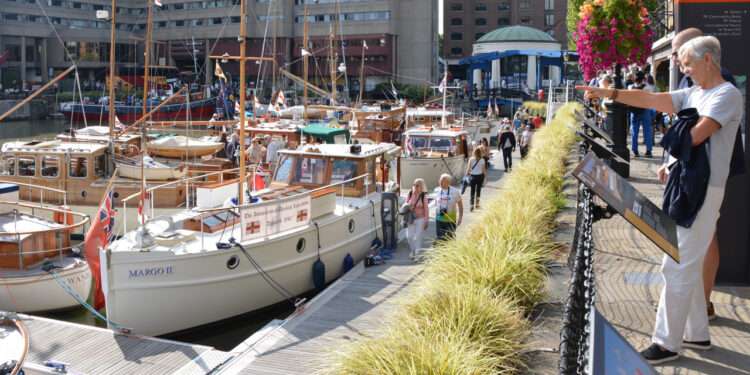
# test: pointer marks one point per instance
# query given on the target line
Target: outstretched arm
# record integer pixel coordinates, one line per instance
(661, 101)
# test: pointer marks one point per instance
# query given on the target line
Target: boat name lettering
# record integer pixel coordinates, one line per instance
(148, 272)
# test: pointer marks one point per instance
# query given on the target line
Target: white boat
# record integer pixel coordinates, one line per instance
(38, 266)
(14, 343)
(152, 170)
(180, 146)
(479, 128)
(430, 152)
(180, 271)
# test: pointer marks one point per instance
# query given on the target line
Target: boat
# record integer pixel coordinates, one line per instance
(152, 169)
(323, 203)
(99, 113)
(180, 146)
(430, 152)
(37, 254)
(378, 124)
(426, 117)
(125, 144)
(479, 128)
(14, 341)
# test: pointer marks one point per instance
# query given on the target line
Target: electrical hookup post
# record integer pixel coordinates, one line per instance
(729, 21)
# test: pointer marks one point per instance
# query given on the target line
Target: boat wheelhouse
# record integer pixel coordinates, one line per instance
(430, 152)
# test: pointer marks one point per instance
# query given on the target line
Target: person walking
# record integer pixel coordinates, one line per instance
(476, 169)
(525, 141)
(681, 319)
(486, 153)
(450, 208)
(417, 201)
(507, 144)
(641, 117)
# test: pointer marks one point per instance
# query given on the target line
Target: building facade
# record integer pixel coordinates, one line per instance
(400, 35)
(466, 21)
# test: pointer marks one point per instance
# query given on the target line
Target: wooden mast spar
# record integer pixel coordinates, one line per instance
(305, 53)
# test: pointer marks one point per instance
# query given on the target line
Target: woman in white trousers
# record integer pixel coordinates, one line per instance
(417, 199)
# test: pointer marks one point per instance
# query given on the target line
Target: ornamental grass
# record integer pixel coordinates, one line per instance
(535, 108)
(467, 313)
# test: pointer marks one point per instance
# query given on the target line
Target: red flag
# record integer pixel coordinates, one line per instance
(4, 56)
(97, 238)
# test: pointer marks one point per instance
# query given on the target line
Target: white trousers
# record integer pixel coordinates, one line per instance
(415, 234)
(682, 305)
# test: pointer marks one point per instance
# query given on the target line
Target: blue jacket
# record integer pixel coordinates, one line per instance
(688, 177)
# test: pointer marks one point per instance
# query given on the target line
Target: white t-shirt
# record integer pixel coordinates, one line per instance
(447, 199)
(478, 166)
(724, 105)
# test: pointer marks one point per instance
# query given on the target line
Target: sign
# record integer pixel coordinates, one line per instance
(600, 149)
(630, 203)
(597, 131)
(610, 353)
(264, 219)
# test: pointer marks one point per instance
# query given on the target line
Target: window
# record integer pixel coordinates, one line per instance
(76, 5)
(478, 35)
(99, 165)
(457, 7)
(457, 36)
(480, 7)
(236, 19)
(525, 20)
(457, 51)
(480, 21)
(310, 171)
(50, 166)
(549, 4)
(26, 166)
(178, 6)
(216, 21)
(55, 3)
(78, 167)
(503, 6)
(283, 169)
(161, 24)
(503, 21)
(10, 17)
(549, 19)
(196, 23)
(524, 4)
(457, 21)
(8, 166)
(344, 170)
(179, 23)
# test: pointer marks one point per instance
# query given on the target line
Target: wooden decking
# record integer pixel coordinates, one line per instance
(90, 350)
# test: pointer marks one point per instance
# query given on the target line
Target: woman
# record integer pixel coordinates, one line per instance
(526, 141)
(476, 169)
(417, 200)
(485, 151)
(507, 143)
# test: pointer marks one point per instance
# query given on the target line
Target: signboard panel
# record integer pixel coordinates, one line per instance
(610, 353)
(264, 219)
(630, 203)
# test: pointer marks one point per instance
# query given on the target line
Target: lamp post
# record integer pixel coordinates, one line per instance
(617, 126)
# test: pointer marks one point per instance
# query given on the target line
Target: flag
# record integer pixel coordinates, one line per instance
(98, 237)
(409, 146)
(364, 44)
(144, 206)
(394, 91)
(306, 52)
(443, 84)
(219, 72)
(158, 3)
(4, 56)
(256, 104)
(489, 110)
(237, 108)
(497, 110)
(280, 101)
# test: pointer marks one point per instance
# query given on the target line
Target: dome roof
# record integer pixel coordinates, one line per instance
(516, 34)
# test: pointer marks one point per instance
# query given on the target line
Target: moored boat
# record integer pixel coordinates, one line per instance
(128, 114)
(180, 146)
(430, 152)
(152, 169)
(322, 205)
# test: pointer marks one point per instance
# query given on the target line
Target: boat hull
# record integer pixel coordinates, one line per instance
(36, 290)
(150, 173)
(94, 113)
(181, 152)
(155, 293)
(430, 170)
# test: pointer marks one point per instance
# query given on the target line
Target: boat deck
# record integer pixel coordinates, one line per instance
(92, 350)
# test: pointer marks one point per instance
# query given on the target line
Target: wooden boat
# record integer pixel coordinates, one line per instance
(430, 152)
(426, 117)
(378, 124)
(180, 146)
(322, 204)
(128, 114)
(36, 254)
(125, 144)
(14, 341)
(152, 170)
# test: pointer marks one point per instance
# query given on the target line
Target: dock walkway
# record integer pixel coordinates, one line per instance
(358, 305)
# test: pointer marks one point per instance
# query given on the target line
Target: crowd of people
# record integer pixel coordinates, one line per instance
(710, 109)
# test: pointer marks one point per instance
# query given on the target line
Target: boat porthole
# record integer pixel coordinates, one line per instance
(352, 226)
(83, 193)
(116, 195)
(301, 245)
(233, 262)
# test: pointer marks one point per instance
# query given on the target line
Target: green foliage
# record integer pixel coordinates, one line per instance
(465, 315)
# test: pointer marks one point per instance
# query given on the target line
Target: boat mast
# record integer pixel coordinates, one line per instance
(305, 53)
(444, 83)
(362, 74)
(111, 94)
(332, 62)
(243, 62)
(146, 77)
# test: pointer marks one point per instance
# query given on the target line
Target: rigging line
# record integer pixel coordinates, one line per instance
(227, 17)
(54, 29)
(401, 76)
(343, 49)
(80, 94)
(263, 49)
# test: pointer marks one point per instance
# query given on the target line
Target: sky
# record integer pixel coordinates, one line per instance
(440, 16)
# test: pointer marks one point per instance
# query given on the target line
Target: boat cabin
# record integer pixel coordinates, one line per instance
(429, 142)
(326, 134)
(380, 126)
(316, 166)
(427, 117)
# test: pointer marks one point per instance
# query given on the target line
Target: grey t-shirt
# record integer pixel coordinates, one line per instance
(724, 105)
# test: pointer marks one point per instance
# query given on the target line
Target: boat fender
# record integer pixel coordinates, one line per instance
(348, 263)
(319, 274)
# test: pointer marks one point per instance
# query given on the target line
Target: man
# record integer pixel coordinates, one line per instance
(681, 317)
(447, 198)
(640, 117)
(256, 152)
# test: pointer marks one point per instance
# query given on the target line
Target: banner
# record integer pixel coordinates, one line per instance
(261, 220)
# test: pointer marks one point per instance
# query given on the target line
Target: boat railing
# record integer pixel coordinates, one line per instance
(65, 218)
(340, 186)
(191, 184)
(41, 189)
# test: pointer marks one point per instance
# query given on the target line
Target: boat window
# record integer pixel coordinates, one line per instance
(344, 170)
(78, 167)
(419, 142)
(441, 143)
(339, 139)
(372, 177)
(50, 166)
(26, 166)
(310, 171)
(8, 165)
(99, 165)
(284, 169)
